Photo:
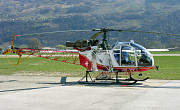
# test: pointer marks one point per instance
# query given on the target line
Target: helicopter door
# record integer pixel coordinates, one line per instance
(125, 55)
(128, 57)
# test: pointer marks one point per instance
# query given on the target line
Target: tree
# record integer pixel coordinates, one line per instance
(35, 43)
(23, 46)
(6, 45)
(155, 44)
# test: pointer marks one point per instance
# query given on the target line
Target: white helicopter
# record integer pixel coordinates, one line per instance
(121, 57)
(126, 57)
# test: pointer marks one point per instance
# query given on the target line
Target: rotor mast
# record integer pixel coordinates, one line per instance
(105, 45)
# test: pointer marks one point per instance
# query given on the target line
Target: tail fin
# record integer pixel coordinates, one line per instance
(13, 50)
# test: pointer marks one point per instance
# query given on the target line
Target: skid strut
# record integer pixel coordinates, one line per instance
(86, 76)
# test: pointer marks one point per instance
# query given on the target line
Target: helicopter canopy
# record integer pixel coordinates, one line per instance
(132, 54)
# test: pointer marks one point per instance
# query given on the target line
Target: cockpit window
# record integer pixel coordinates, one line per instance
(143, 56)
(124, 55)
(131, 54)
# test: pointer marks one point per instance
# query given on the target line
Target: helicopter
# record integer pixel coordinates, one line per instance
(95, 55)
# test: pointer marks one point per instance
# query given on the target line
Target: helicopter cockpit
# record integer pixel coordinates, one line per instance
(132, 54)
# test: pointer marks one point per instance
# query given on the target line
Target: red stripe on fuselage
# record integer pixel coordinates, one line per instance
(125, 69)
(85, 62)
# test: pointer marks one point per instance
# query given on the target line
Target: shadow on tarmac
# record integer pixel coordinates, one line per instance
(22, 89)
(93, 84)
(99, 84)
(8, 81)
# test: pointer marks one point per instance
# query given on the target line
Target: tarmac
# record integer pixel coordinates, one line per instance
(52, 93)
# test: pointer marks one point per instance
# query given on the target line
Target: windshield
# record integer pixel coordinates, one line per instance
(132, 54)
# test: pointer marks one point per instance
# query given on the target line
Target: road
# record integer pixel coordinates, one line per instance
(166, 54)
(47, 93)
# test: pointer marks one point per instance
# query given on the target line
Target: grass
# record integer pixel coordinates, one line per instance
(40, 66)
(168, 68)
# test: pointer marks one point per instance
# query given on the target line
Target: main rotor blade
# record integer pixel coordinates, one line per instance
(95, 35)
(52, 32)
(149, 32)
(107, 30)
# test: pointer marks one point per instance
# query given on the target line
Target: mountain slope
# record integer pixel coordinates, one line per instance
(32, 16)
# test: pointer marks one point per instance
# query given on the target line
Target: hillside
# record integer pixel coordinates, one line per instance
(33, 16)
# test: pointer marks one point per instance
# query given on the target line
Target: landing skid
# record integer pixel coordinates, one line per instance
(108, 80)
